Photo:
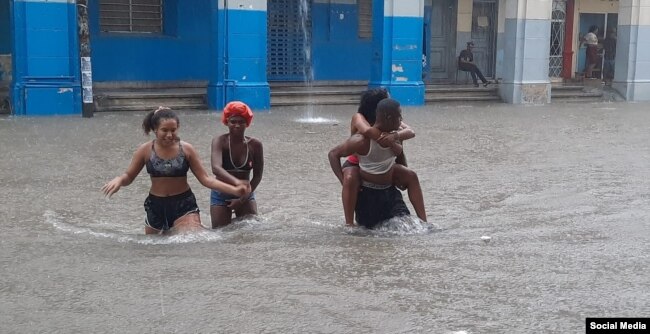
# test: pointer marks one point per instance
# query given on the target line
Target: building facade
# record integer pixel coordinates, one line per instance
(235, 48)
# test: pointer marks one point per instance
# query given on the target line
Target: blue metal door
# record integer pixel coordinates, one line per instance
(289, 40)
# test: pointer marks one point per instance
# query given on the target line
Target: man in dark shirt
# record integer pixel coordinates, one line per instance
(466, 63)
(609, 44)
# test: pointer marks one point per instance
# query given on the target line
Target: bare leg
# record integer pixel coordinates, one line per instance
(407, 177)
(350, 192)
(247, 209)
(188, 223)
(150, 230)
(220, 215)
(589, 71)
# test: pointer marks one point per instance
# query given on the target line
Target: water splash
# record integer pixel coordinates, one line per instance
(57, 221)
(398, 226)
(307, 69)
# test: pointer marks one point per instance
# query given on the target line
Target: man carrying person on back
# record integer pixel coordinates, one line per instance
(379, 199)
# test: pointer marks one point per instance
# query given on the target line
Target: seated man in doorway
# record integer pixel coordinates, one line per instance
(466, 63)
(378, 199)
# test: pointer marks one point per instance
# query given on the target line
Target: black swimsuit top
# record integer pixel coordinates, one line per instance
(176, 167)
(229, 165)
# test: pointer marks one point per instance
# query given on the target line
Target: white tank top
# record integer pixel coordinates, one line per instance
(379, 160)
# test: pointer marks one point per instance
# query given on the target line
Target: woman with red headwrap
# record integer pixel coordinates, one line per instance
(234, 156)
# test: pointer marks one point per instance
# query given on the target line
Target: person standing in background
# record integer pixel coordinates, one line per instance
(609, 45)
(591, 41)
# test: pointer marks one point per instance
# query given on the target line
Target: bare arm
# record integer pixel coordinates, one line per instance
(405, 132)
(137, 162)
(207, 181)
(360, 125)
(350, 146)
(258, 163)
(216, 163)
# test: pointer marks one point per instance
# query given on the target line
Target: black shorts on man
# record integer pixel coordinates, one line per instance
(376, 204)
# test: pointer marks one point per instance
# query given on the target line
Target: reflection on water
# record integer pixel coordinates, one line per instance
(317, 120)
(561, 190)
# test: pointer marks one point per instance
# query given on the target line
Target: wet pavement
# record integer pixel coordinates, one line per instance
(561, 190)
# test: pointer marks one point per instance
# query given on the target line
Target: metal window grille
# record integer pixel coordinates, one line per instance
(365, 19)
(558, 19)
(142, 16)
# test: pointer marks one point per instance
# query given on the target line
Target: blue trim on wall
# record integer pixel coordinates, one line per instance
(181, 52)
(397, 57)
(45, 70)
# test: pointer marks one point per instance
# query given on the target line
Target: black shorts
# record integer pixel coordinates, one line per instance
(378, 205)
(347, 164)
(162, 212)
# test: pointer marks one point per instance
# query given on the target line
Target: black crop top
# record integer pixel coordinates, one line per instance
(176, 167)
(229, 165)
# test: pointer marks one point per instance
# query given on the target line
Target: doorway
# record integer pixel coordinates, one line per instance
(484, 35)
(605, 22)
(439, 42)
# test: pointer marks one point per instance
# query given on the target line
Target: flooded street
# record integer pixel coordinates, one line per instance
(563, 191)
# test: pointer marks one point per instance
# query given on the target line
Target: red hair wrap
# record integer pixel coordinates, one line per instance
(237, 108)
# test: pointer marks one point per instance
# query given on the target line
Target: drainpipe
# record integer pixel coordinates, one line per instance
(567, 53)
(225, 51)
(87, 106)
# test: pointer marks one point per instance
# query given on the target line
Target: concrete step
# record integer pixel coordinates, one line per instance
(149, 107)
(461, 89)
(574, 92)
(311, 102)
(462, 98)
(317, 92)
(143, 99)
(577, 99)
(461, 93)
(314, 99)
(569, 94)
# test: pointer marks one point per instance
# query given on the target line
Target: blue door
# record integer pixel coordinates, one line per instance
(288, 43)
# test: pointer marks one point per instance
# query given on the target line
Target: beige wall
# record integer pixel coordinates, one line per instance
(596, 6)
(465, 15)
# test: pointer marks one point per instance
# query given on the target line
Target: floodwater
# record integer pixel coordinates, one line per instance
(562, 190)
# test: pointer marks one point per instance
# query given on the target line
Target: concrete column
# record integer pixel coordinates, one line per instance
(397, 49)
(632, 76)
(45, 58)
(238, 64)
(526, 52)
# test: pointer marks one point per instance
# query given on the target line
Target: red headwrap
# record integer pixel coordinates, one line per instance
(237, 108)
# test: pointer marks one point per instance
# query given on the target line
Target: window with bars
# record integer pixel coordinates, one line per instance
(558, 19)
(365, 19)
(140, 16)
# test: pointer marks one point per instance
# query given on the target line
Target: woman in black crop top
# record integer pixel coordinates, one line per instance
(234, 156)
(171, 205)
